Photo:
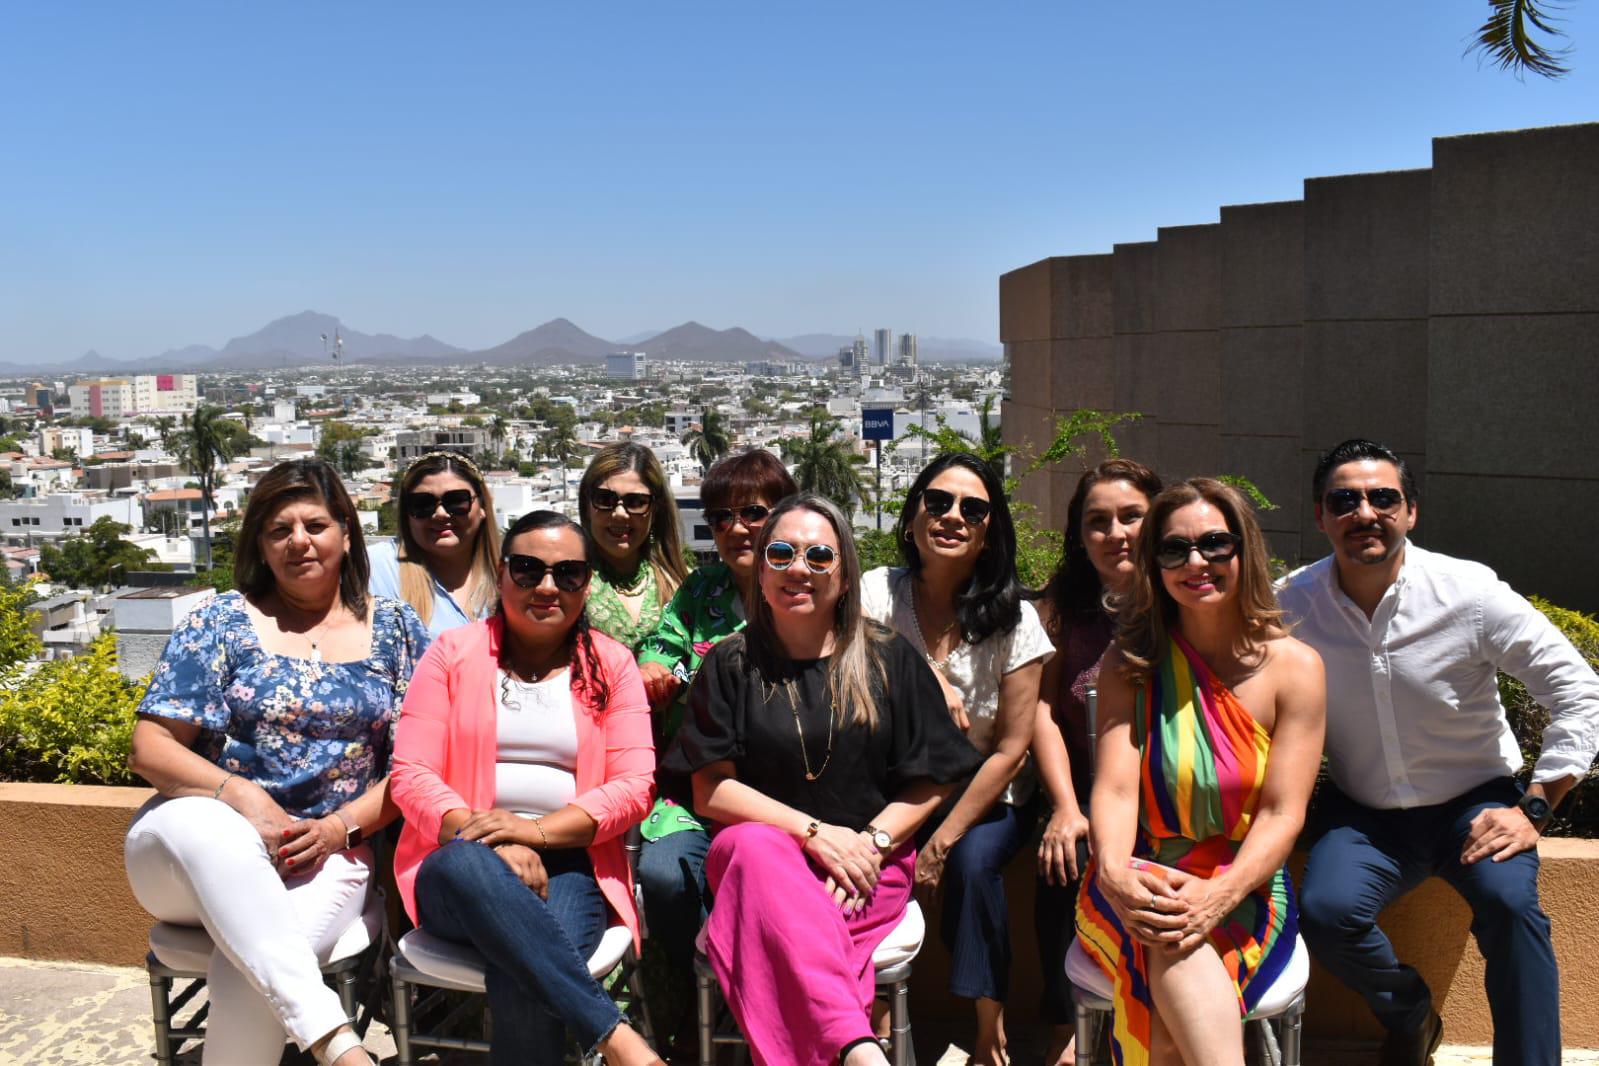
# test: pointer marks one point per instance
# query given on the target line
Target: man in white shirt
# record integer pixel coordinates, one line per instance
(1422, 758)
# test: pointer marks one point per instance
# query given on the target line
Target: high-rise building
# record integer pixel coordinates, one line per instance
(858, 350)
(883, 347)
(627, 366)
(170, 394)
(907, 349)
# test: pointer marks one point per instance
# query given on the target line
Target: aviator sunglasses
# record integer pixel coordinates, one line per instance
(1214, 547)
(527, 572)
(973, 510)
(753, 515)
(634, 503)
(1341, 502)
(819, 558)
(456, 503)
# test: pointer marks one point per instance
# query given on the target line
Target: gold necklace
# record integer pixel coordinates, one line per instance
(805, 758)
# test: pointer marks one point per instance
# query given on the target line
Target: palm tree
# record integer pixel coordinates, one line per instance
(1505, 39)
(708, 441)
(822, 464)
(499, 429)
(203, 446)
(164, 426)
(560, 444)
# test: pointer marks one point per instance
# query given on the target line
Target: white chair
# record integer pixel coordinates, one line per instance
(183, 953)
(891, 961)
(1283, 1003)
(423, 961)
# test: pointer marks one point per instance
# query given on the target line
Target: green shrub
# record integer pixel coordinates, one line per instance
(68, 720)
(1579, 816)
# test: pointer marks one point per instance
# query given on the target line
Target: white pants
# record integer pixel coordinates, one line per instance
(197, 861)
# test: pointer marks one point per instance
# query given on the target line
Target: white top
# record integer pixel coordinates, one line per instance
(1413, 712)
(974, 670)
(537, 753)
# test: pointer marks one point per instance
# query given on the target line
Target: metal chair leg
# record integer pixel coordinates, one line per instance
(161, 1015)
(899, 1026)
(1292, 1034)
(705, 1005)
(401, 1020)
(1086, 1025)
(635, 989)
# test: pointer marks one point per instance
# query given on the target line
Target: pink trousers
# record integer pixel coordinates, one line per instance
(797, 973)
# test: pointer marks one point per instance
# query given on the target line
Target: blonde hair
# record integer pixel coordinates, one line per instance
(416, 580)
(664, 549)
(1146, 613)
(856, 675)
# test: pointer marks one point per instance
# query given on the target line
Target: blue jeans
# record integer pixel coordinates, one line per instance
(1369, 858)
(537, 951)
(976, 922)
(671, 871)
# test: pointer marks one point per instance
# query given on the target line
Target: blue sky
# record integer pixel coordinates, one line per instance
(181, 173)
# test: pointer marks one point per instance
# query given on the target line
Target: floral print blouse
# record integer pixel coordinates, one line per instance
(610, 616)
(313, 734)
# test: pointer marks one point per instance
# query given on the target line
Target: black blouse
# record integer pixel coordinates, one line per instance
(737, 715)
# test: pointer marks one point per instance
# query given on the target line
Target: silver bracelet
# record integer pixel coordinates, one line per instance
(218, 793)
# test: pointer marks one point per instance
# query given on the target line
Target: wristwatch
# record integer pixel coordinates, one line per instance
(353, 833)
(881, 840)
(1536, 808)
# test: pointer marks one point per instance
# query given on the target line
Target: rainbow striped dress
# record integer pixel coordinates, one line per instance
(1202, 766)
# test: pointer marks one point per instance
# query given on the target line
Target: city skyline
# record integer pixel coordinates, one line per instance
(179, 173)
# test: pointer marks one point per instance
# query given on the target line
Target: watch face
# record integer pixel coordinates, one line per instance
(881, 840)
(1535, 807)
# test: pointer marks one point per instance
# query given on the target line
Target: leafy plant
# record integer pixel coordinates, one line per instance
(823, 464)
(1506, 40)
(68, 720)
(97, 558)
(1579, 816)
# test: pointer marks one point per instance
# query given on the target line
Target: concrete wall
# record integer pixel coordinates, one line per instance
(1451, 313)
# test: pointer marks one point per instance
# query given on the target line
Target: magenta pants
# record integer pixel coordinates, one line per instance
(797, 973)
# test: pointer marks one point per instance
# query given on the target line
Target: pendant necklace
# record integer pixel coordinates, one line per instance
(793, 705)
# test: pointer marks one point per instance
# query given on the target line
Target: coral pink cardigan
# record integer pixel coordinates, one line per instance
(445, 749)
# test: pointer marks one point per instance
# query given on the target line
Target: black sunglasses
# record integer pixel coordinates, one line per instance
(527, 572)
(973, 510)
(634, 503)
(456, 503)
(1215, 547)
(819, 558)
(1341, 502)
(753, 515)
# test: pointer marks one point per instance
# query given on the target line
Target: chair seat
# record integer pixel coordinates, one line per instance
(902, 944)
(443, 963)
(1086, 976)
(187, 948)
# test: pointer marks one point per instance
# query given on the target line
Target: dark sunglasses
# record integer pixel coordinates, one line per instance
(1216, 547)
(634, 503)
(527, 572)
(973, 510)
(753, 516)
(819, 558)
(456, 503)
(1341, 502)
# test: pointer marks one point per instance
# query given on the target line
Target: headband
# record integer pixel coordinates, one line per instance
(452, 456)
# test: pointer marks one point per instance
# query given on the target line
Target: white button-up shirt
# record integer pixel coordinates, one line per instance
(1413, 711)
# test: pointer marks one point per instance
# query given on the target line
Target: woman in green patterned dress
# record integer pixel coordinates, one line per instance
(627, 507)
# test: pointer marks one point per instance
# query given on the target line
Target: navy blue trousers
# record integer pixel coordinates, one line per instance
(671, 871)
(1368, 858)
(976, 921)
(537, 950)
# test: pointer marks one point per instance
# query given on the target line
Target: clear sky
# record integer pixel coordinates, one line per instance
(180, 173)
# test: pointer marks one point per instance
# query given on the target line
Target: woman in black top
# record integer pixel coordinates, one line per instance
(821, 741)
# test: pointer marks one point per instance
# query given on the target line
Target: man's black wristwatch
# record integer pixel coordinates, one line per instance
(1536, 808)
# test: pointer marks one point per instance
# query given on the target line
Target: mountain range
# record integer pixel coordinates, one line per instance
(309, 337)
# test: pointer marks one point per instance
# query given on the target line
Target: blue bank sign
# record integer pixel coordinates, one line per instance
(877, 423)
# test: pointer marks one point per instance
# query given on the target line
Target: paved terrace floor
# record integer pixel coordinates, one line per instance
(68, 1014)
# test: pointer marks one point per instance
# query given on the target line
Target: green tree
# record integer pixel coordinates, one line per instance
(97, 558)
(708, 441)
(499, 431)
(166, 430)
(8, 490)
(1506, 40)
(71, 722)
(18, 642)
(560, 444)
(823, 464)
(204, 447)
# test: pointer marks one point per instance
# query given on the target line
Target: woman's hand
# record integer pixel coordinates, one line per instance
(954, 701)
(497, 826)
(307, 844)
(260, 810)
(660, 684)
(1057, 852)
(1147, 903)
(526, 865)
(847, 856)
(930, 866)
(1208, 902)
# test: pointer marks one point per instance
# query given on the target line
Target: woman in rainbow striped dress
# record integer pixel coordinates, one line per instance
(1210, 735)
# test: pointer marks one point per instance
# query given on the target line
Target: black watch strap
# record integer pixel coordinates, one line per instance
(1536, 808)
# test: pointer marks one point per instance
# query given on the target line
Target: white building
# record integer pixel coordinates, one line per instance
(143, 394)
(62, 514)
(144, 619)
(627, 366)
(76, 439)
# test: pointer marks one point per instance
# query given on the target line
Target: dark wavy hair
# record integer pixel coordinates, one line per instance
(991, 601)
(1075, 588)
(290, 482)
(586, 672)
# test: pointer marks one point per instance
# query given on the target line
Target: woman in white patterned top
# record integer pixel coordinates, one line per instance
(958, 601)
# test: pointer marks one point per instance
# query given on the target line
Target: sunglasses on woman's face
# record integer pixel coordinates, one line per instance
(634, 503)
(456, 502)
(819, 558)
(527, 572)
(973, 509)
(1341, 502)
(1214, 547)
(752, 515)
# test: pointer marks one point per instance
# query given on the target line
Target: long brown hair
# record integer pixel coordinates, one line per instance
(416, 580)
(856, 676)
(1075, 589)
(286, 483)
(664, 549)
(1147, 613)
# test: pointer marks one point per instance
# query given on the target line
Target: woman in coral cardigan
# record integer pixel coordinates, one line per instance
(522, 755)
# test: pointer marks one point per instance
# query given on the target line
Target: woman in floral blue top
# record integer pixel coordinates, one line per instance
(266, 731)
